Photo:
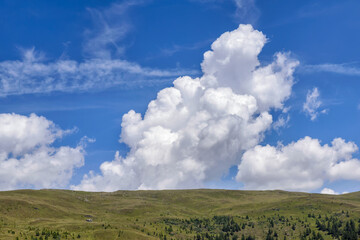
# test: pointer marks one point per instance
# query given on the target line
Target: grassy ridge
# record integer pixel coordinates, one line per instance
(36, 214)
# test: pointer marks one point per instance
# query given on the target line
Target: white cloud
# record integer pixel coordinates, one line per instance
(110, 26)
(245, 10)
(102, 67)
(344, 68)
(312, 104)
(196, 130)
(180, 48)
(302, 166)
(233, 63)
(281, 122)
(34, 75)
(329, 191)
(27, 157)
(104, 38)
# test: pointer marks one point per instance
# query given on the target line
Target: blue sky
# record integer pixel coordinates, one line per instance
(148, 44)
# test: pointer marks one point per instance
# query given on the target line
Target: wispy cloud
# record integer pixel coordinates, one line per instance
(281, 122)
(344, 68)
(32, 74)
(103, 40)
(312, 104)
(311, 10)
(102, 68)
(176, 48)
(110, 26)
(245, 10)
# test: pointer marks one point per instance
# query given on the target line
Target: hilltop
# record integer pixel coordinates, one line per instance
(176, 214)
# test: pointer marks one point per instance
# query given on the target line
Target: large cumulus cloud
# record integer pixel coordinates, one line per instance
(196, 130)
(303, 165)
(27, 157)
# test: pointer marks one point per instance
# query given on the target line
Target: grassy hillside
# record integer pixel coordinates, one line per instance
(178, 214)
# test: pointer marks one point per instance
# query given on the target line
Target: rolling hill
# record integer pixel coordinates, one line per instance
(177, 214)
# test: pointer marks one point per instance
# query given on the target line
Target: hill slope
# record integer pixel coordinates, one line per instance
(176, 214)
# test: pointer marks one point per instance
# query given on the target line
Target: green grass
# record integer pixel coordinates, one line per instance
(146, 214)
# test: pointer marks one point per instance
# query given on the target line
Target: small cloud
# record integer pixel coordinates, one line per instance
(31, 55)
(286, 109)
(312, 104)
(329, 191)
(110, 26)
(85, 140)
(180, 48)
(247, 11)
(281, 122)
(324, 111)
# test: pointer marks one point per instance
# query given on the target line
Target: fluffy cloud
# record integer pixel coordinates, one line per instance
(194, 131)
(312, 104)
(27, 158)
(302, 166)
(329, 191)
(233, 63)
